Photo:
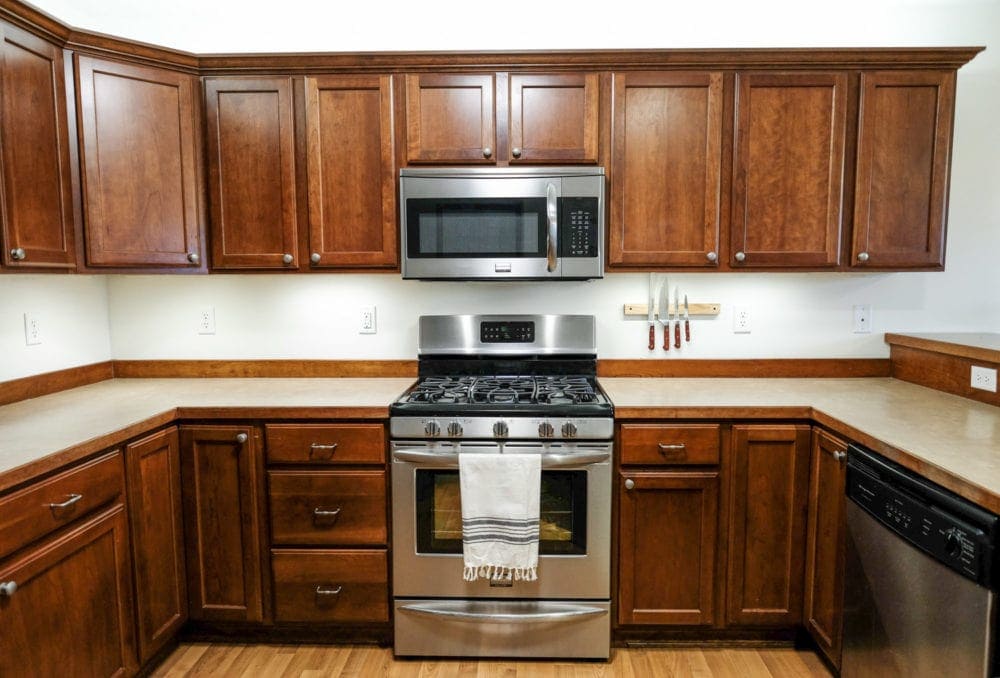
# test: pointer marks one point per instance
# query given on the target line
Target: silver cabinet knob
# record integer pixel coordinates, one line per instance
(740, 256)
(18, 254)
(629, 484)
(193, 257)
(863, 257)
(241, 438)
(840, 456)
(711, 256)
(314, 257)
(487, 152)
(8, 588)
(287, 258)
(516, 152)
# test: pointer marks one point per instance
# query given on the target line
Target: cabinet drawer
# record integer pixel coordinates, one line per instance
(327, 507)
(672, 444)
(50, 504)
(325, 443)
(330, 586)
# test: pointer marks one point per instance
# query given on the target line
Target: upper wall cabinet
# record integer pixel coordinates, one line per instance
(251, 170)
(139, 154)
(352, 180)
(904, 147)
(37, 201)
(666, 169)
(788, 169)
(501, 119)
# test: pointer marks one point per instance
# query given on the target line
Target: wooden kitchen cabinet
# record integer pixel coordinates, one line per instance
(824, 581)
(666, 169)
(352, 179)
(37, 229)
(667, 563)
(501, 118)
(154, 500)
(788, 169)
(222, 489)
(140, 162)
(901, 185)
(251, 170)
(769, 482)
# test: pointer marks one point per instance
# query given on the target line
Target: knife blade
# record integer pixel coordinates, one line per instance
(650, 310)
(665, 312)
(677, 325)
(687, 320)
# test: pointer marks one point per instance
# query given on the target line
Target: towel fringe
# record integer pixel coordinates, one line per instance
(473, 572)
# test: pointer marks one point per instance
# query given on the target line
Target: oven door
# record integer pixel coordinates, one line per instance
(574, 550)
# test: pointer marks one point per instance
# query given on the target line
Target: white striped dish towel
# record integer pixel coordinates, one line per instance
(500, 500)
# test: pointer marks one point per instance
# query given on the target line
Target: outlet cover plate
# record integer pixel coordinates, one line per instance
(863, 319)
(983, 378)
(367, 322)
(741, 320)
(206, 320)
(32, 329)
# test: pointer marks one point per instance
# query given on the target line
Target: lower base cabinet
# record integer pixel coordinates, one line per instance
(321, 585)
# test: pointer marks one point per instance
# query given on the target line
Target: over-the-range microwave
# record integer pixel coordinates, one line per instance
(502, 223)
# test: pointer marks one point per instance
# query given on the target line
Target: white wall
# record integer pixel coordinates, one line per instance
(805, 315)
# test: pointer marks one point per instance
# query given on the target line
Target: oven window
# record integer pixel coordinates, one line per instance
(475, 227)
(562, 520)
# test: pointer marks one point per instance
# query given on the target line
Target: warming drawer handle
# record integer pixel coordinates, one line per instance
(548, 460)
(563, 615)
(70, 500)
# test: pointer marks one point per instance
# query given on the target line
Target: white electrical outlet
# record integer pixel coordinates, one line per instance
(741, 320)
(367, 322)
(32, 329)
(984, 378)
(863, 319)
(206, 320)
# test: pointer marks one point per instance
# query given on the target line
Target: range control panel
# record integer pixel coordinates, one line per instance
(578, 220)
(506, 332)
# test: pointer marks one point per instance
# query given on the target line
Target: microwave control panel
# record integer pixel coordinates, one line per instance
(578, 220)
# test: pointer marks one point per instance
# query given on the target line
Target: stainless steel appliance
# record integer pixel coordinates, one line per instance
(920, 578)
(496, 384)
(502, 223)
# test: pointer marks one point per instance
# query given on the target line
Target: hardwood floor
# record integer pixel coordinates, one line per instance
(361, 661)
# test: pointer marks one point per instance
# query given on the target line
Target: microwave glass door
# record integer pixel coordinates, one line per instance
(562, 517)
(442, 228)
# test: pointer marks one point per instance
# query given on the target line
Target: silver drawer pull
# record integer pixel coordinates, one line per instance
(70, 500)
(7, 588)
(325, 517)
(316, 448)
(328, 590)
(673, 447)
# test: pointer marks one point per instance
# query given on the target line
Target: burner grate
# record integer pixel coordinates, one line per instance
(505, 390)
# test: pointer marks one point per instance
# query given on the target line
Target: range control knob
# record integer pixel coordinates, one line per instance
(432, 429)
(569, 430)
(953, 542)
(454, 429)
(545, 430)
(500, 429)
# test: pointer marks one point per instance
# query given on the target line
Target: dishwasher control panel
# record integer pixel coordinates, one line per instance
(957, 533)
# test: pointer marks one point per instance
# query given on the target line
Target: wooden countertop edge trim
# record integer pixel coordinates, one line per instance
(264, 368)
(714, 412)
(945, 347)
(293, 412)
(52, 382)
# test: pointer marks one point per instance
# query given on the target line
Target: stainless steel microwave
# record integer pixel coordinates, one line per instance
(503, 223)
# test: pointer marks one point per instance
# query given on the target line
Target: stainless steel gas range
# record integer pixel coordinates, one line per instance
(493, 384)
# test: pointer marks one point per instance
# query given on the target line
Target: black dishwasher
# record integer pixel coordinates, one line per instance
(920, 578)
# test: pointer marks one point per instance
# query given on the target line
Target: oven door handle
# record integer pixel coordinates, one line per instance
(548, 460)
(564, 613)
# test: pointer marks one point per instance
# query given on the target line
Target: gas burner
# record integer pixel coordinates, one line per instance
(564, 390)
(498, 389)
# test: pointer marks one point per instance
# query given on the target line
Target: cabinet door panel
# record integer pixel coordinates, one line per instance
(221, 479)
(450, 118)
(666, 169)
(904, 148)
(668, 526)
(37, 189)
(788, 169)
(154, 492)
(72, 612)
(352, 195)
(824, 585)
(554, 118)
(770, 480)
(251, 163)
(139, 158)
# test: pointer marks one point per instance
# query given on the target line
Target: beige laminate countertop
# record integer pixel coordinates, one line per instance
(951, 440)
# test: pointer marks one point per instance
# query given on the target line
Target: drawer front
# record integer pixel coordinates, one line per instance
(330, 586)
(658, 444)
(327, 507)
(325, 443)
(48, 505)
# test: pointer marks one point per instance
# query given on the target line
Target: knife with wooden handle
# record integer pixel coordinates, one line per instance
(677, 325)
(650, 310)
(687, 320)
(665, 313)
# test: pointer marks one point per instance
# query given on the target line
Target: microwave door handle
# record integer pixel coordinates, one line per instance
(552, 213)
